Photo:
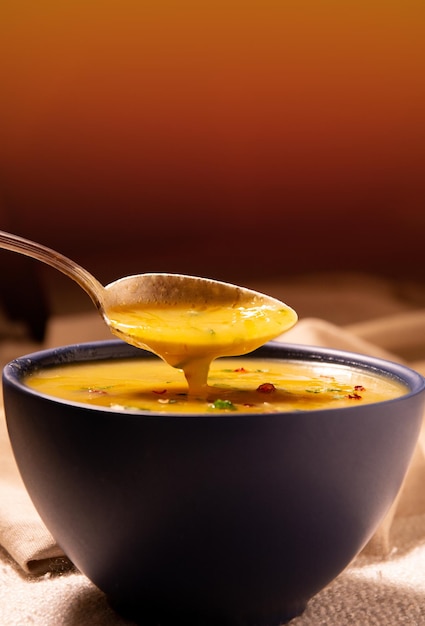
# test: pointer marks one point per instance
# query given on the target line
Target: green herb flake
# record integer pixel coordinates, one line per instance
(223, 405)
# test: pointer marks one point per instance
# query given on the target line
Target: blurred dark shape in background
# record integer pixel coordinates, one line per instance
(23, 302)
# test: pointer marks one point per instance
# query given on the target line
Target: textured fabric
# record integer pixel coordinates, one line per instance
(22, 533)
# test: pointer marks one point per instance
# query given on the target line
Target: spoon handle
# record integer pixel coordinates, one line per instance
(57, 260)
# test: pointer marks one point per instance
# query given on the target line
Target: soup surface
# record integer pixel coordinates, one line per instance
(234, 384)
(190, 337)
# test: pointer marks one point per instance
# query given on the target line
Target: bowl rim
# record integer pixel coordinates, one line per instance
(14, 371)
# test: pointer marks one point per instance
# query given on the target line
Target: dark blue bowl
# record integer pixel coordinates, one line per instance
(220, 520)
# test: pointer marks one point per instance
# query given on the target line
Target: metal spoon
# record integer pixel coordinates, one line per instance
(166, 291)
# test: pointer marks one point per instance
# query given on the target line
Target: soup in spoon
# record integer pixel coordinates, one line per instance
(189, 337)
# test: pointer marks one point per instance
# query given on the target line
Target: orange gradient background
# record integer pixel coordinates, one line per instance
(292, 128)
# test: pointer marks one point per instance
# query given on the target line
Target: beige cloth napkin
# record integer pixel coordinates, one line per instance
(23, 534)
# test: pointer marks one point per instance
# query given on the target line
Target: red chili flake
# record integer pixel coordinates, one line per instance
(248, 404)
(241, 369)
(354, 396)
(266, 388)
(359, 388)
(160, 392)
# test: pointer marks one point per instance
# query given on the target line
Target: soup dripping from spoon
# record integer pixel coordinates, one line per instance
(188, 321)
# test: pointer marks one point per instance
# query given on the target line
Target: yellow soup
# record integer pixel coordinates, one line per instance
(189, 338)
(234, 384)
